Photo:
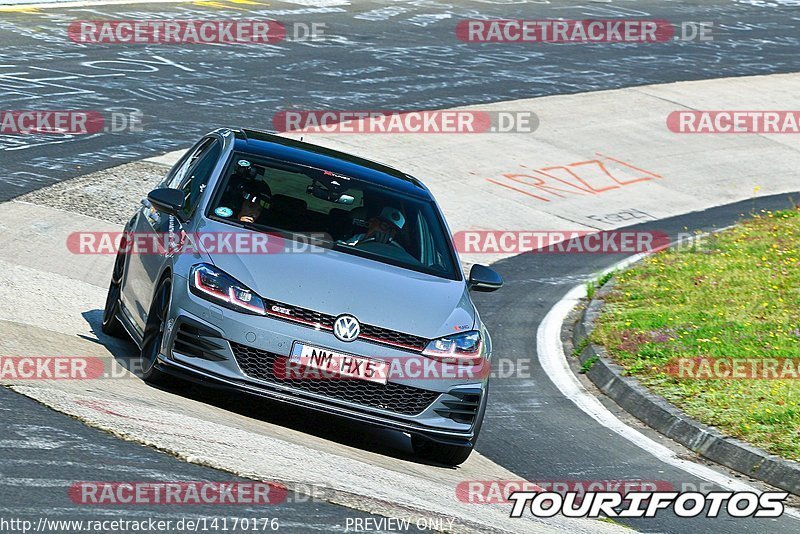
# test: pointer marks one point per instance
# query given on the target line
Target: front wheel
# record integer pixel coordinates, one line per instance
(440, 452)
(154, 332)
(111, 325)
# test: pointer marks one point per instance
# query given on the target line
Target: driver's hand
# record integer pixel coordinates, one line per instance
(249, 212)
(382, 237)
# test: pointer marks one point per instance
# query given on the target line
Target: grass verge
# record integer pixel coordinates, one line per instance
(733, 297)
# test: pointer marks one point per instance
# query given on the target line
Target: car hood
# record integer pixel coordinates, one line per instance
(378, 294)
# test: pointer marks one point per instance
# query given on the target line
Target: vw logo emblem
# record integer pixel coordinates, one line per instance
(346, 328)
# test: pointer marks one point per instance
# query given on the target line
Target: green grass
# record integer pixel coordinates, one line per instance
(588, 364)
(582, 344)
(593, 285)
(735, 294)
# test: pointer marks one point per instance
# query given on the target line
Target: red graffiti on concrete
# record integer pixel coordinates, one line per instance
(590, 177)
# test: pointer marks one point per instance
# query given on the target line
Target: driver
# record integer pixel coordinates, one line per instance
(380, 229)
(255, 193)
(250, 209)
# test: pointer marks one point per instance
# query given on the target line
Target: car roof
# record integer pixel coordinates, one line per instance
(266, 144)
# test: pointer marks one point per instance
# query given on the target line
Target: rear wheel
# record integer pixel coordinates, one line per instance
(440, 452)
(154, 334)
(111, 325)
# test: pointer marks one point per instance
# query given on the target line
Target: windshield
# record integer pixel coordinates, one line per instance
(361, 218)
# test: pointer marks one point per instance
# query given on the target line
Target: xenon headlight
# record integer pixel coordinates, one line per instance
(214, 285)
(465, 347)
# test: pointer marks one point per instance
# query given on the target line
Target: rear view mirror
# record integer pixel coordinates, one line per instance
(482, 278)
(323, 193)
(318, 191)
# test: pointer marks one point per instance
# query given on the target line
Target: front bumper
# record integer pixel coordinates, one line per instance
(206, 343)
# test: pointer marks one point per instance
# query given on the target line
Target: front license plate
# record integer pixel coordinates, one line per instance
(332, 364)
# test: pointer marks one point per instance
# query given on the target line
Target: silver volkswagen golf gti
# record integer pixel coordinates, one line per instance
(312, 277)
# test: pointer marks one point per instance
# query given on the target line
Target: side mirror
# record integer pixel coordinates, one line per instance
(169, 201)
(482, 278)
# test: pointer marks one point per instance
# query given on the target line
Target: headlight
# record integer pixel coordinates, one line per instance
(465, 347)
(212, 284)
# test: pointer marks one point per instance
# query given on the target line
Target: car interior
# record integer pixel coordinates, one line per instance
(304, 200)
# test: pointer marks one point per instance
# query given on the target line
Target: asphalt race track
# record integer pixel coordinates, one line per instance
(43, 452)
(382, 55)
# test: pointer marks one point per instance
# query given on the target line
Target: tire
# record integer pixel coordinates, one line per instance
(154, 334)
(111, 325)
(440, 453)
